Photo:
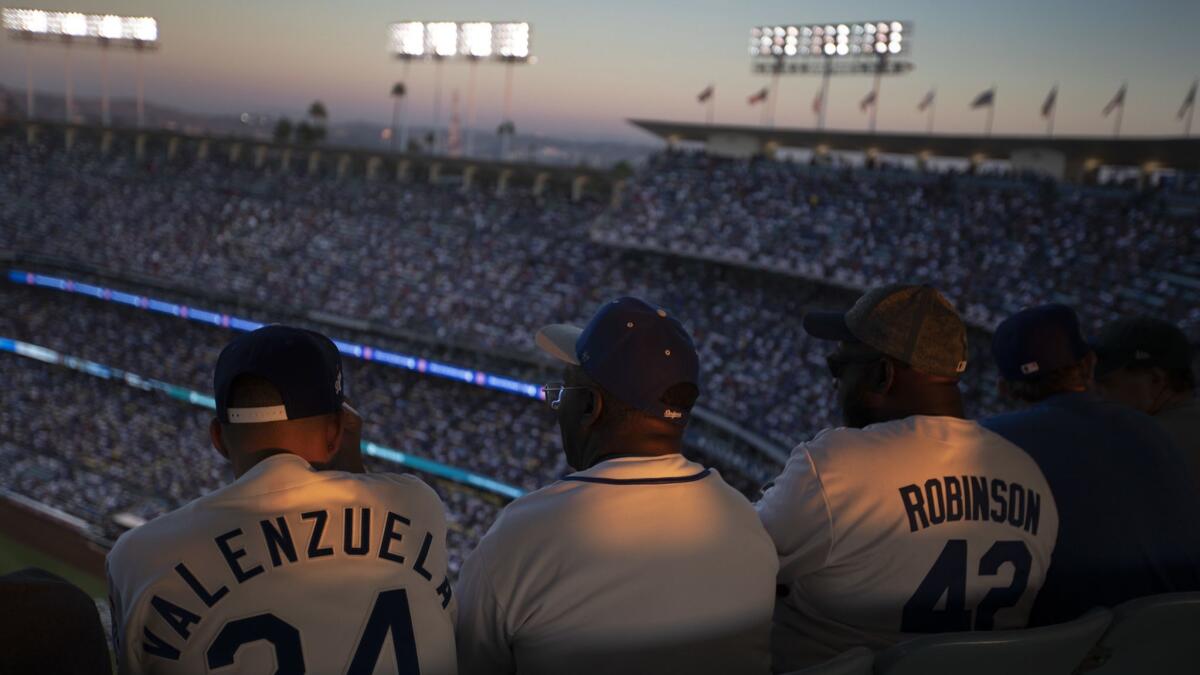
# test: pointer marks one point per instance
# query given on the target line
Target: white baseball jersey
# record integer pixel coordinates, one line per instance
(925, 524)
(636, 565)
(288, 570)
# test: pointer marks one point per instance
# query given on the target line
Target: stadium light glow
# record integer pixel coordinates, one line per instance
(38, 23)
(408, 38)
(505, 41)
(441, 38)
(475, 39)
(511, 40)
(864, 39)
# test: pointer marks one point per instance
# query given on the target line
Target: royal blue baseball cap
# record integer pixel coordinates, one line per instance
(303, 366)
(1038, 340)
(635, 350)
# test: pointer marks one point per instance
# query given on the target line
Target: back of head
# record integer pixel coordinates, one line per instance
(277, 389)
(299, 436)
(902, 348)
(639, 367)
(1139, 359)
(1040, 352)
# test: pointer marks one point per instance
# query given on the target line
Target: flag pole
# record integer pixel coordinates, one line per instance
(875, 92)
(712, 96)
(1187, 127)
(1120, 112)
(932, 107)
(774, 95)
(1053, 114)
(824, 93)
(991, 113)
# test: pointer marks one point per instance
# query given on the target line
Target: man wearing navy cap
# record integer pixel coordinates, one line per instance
(1146, 363)
(640, 561)
(304, 563)
(1129, 510)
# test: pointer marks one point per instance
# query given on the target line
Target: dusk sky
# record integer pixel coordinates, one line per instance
(602, 62)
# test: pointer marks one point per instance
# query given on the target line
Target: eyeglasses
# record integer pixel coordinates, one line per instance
(838, 361)
(553, 393)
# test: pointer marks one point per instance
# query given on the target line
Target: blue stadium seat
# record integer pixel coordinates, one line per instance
(1159, 634)
(857, 661)
(1051, 650)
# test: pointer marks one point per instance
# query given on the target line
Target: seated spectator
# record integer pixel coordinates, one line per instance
(288, 569)
(1129, 510)
(1147, 364)
(911, 519)
(638, 562)
(49, 625)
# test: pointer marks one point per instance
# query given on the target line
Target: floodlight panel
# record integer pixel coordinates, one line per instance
(510, 40)
(441, 38)
(407, 38)
(109, 27)
(78, 25)
(864, 39)
(144, 28)
(26, 20)
(475, 39)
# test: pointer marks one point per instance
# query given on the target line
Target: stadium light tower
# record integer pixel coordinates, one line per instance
(473, 41)
(863, 47)
(71, 28)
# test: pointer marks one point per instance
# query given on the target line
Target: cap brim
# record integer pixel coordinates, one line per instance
(828, 326)
(558, 340)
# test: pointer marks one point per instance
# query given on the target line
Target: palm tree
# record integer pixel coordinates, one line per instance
(283, 130)
(319, 116)
(398, 92)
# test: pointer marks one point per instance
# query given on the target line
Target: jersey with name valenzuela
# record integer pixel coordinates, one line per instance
(292, 569)
(924, 524)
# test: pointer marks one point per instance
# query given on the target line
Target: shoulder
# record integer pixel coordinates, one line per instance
(399, 488)
(154, 535)
(834, 441)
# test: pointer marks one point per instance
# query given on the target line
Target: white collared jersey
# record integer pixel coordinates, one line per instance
(925, 524)
(636, 565)
(288, 570)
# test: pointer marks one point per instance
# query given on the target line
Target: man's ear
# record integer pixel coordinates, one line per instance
(335, 427)
(593, 407)
(218, 441)
(884, 377)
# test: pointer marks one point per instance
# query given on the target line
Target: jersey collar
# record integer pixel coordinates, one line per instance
(277, 472)
(660, 470)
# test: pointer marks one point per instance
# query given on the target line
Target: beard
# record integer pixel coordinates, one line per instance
(856, 414)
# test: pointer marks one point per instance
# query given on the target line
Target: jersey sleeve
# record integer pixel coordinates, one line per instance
(481, 635)
(120, 605)
(796, 514)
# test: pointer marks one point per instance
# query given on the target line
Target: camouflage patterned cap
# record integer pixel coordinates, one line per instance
(913, 324)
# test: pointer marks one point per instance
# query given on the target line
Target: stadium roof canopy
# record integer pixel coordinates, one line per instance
(1073, 156)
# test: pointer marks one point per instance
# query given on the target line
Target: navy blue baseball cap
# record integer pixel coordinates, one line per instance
(303, 366)
(633, 349)
(1038, 340)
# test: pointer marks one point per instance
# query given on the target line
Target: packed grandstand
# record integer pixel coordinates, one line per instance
(739, 250)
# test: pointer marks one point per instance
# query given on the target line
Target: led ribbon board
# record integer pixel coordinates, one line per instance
(419, 364)
(39, 353)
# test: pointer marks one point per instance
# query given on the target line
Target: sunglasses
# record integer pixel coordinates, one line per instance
(552, 393)
(838, 362)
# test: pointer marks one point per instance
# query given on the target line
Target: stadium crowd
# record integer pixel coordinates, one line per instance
(997, 244)
(471, 268)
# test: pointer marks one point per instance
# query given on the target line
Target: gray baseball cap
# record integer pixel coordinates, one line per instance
(913, 324)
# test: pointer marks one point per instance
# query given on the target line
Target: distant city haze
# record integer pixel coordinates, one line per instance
(599, 63)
